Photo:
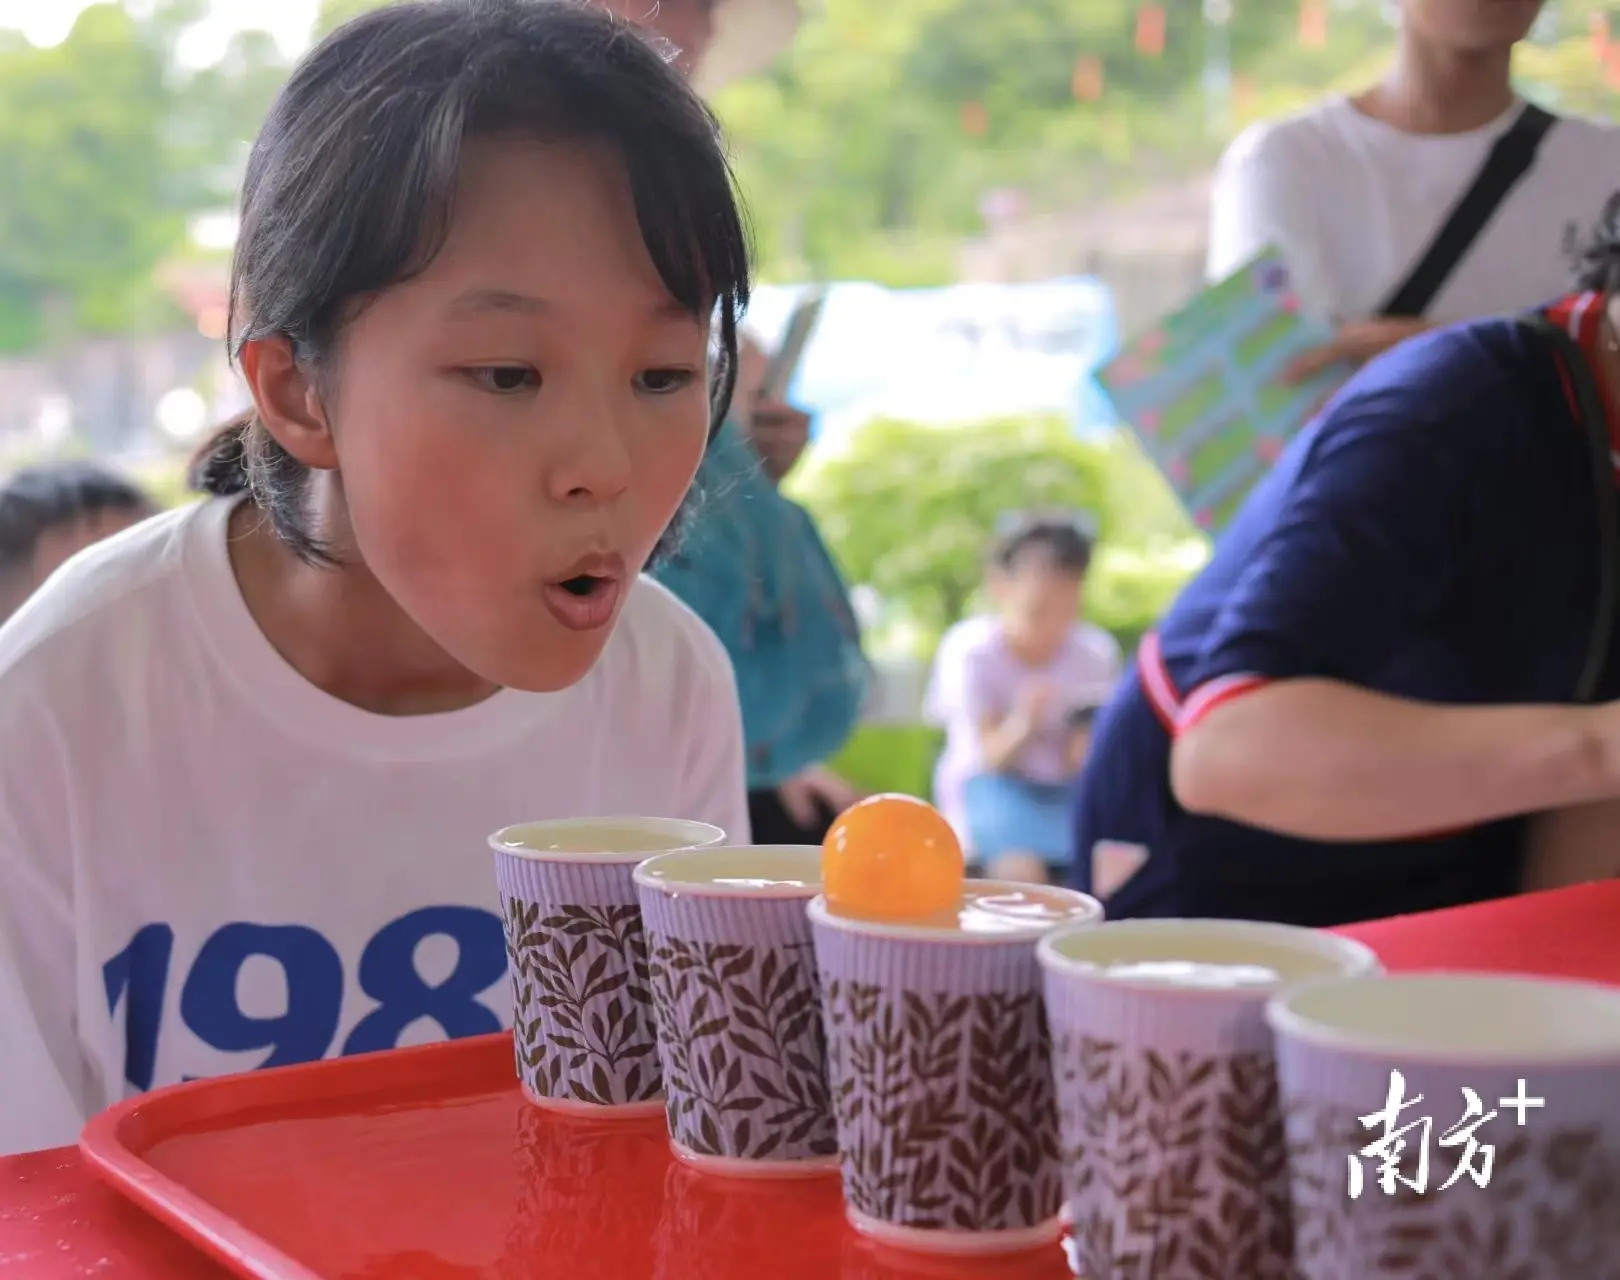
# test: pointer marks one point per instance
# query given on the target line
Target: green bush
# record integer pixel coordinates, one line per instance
(909, 511)
(891, 757)
(166, 482)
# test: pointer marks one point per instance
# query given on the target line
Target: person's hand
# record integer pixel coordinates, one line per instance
(779, 433)
(813, 788)
(1079, 747)
(1032, 701)
(1353, 344)
(752, 366)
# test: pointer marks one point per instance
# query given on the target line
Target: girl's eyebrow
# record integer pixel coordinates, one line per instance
(481, 301)
(475, 301)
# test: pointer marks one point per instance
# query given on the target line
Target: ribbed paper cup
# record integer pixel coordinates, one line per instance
(940, 1067)
(1174, 1157)
(1452, 1125)
(582, 1018)
(739, 1008)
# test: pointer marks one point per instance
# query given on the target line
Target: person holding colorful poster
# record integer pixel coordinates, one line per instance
(1436, 195)
(1393, 688)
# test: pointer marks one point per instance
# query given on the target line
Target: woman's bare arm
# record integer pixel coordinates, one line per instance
(1322, 760)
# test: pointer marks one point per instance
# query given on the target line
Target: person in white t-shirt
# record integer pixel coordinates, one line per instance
(253, 748)
(1353, 191)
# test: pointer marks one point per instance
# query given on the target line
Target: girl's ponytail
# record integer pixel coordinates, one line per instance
(220, 465)
(242, 457)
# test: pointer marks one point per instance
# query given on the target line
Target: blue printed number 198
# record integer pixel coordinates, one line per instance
(139, 977)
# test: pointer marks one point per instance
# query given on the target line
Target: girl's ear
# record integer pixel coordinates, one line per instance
(288, 402)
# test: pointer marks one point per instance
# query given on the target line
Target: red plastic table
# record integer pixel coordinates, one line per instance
(57, 1222)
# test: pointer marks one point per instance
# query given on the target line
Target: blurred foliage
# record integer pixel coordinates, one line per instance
(91, 204)
(891, 757)
(910, 511)
(865, 153)
(166, 483)
(334, 13)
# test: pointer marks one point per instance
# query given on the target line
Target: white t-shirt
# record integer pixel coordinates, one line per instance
(976, 676)
(1351, 203)
(208, 865)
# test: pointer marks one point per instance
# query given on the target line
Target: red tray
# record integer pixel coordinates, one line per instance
(427, 1164)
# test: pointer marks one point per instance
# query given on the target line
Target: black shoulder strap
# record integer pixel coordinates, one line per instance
(1595, 425)
(1510, 158)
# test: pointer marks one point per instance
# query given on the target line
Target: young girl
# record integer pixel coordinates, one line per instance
(1013, 691)
(253, 750)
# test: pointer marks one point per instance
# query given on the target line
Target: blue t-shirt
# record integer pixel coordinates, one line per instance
(1434, 536)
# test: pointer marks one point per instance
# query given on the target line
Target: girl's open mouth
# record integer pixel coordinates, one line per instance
(584, 585)
(584, 601)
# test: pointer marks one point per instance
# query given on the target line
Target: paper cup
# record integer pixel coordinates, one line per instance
(1502, 1097)
(739, 1009)
(939, 1062)
(1174, 1157)
(582, 1021)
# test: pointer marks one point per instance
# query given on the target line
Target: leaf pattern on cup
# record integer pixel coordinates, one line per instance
(581, 1017)
(1551, 1210)
(1176, 1163)
(945, 1106)
(743, 1051)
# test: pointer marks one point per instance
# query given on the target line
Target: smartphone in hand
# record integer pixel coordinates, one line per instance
(1079, 719)
(785, 363)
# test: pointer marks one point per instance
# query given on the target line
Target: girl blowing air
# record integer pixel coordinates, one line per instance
(253, 749)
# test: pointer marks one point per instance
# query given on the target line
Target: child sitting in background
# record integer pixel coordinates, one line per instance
(1014, 691)
(50, 512)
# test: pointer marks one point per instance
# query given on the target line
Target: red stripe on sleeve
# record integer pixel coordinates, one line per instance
(1214, 693)
(1156, 682)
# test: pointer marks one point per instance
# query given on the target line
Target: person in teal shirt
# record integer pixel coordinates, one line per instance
(752, 565)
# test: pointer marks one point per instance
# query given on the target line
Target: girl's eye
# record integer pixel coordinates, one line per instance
(661, 382)
(504, 379)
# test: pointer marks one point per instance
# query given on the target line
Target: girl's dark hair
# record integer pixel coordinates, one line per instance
(1063, 542)
(350, 184)
(1597, 262)
(38, 500)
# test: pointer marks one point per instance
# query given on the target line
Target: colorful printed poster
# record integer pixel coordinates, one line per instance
(1201, 388)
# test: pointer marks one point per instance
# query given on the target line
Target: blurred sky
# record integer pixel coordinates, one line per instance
(48, 21)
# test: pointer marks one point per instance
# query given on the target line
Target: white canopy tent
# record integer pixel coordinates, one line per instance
(947, 356)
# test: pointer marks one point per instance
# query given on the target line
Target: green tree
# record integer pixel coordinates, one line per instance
(334, 13)
(216, 113)
(92, 203)
(866, 152)
(909, 510)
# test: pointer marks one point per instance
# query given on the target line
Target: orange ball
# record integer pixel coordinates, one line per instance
(892, 857)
